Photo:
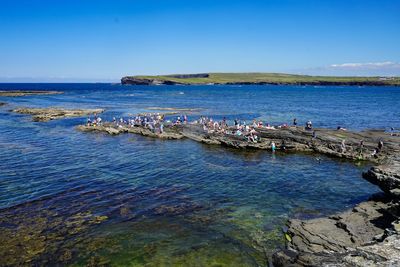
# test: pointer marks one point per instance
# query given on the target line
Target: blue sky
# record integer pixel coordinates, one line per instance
(47, 40)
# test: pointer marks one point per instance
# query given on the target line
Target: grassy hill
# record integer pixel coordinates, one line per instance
(260, 78)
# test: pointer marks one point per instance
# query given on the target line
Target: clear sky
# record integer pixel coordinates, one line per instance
(71, 40)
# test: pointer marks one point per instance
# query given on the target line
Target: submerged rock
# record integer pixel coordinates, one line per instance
(2, 104)
(27, 93)
(47, 114)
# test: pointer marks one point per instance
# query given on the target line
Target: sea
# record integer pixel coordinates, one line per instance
(91, 199)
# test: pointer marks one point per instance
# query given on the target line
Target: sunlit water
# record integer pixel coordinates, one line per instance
(68, 197)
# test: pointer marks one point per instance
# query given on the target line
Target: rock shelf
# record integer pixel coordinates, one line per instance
(28, 93)
(47, 114)
(367, 235)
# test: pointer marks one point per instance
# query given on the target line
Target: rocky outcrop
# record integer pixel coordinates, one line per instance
(112, 129)
(28, 93)
(143, 81)
(387, 177)
(47, 114)
(367, 235)
(353, 238)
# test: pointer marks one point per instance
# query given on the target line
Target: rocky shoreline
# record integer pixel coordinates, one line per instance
(367, 235)
(28, 93)
(47, 114)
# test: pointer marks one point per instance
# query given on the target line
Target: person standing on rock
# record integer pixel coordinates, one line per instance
(380, 146)
(343, 146)
(295, 122)
(273, 147)
(361, 148)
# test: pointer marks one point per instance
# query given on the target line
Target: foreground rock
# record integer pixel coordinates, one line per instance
(47, 114)
(367, 235)
(27, 93)
(353, 238)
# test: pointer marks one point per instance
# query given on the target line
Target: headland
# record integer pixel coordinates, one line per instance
(258, 79)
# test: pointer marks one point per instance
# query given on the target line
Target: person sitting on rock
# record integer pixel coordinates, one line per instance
(283, 145)
(309, 125)
(250, 138)
(236, 123)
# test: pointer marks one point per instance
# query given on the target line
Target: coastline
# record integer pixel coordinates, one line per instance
(258, 79)
(351, 237)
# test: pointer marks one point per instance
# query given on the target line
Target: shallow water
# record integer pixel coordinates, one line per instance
(75, 198)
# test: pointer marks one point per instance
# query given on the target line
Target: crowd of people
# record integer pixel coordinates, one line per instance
(95, 121)
(239, 128)
(152, 121)
(156, 121)
(249, 131)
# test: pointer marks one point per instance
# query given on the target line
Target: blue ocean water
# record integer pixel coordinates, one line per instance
(76, 198)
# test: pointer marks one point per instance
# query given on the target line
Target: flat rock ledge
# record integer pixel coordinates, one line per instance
(28, 93)
(109, 128)
(47, 114)
(367, 235)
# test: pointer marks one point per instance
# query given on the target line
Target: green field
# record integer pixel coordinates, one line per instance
(273, 78)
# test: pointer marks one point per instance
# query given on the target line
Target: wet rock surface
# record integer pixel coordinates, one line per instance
(28, 93)
(367, 235)
(47, 114)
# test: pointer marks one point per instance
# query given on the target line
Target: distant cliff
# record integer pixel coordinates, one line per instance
(258, 79)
